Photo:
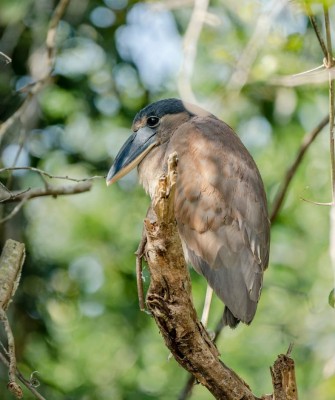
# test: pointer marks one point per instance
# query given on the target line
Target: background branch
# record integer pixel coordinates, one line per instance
(292, 169)
(46, 191)
(315, 26)
(248, 56)
(11, 262)
(36, 87)
(48, 175)
(190, 44)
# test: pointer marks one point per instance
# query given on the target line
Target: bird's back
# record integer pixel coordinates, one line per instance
(221, 212)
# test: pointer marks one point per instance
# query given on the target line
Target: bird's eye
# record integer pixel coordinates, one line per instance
(152, 121)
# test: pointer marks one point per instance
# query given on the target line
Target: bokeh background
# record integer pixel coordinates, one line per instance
(75, 316)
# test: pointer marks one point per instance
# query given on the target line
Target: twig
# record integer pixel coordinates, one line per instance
(11, 196)
(8, 60)
(317, 203)
(37, 86)
(12, 385)
(330, 64)
(309, 12)
(54, 191)
(41, 172)
(186, 391)
(262, 27)
(48, 191)
(51, 35)
(15, 210)
(10, 121)
(21, 142)
(190, 42)
(26, 382)
(306, 142)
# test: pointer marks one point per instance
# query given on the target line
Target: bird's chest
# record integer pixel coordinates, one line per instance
(152, 168)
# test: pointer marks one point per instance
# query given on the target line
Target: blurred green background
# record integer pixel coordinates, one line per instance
(75, 316)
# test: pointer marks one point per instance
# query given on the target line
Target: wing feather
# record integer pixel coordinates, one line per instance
(221, 212)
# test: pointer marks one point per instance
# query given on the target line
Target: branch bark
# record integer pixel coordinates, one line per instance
(11, 262)
(54, 191)
(169, 300)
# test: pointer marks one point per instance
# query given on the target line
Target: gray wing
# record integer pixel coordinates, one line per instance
(221, 213)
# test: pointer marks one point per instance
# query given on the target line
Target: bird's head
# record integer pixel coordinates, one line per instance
(152, 127)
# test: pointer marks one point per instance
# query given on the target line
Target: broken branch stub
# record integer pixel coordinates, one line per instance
(11, 261)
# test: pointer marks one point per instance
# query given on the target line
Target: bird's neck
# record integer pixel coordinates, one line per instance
(151, 169)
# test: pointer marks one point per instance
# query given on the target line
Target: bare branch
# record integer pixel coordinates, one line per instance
(312, 18)
(7, 59)
(11, 261)
(41, 172)
(316, 75)
(36, 87)
(47, 191)
(306, 142)
(255, 44)
(190, 42)
(15, 210)
(51, 35)
(330, 64)
(28, 383)
(7, 196)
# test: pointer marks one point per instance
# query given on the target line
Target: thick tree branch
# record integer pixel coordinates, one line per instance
(169, 300)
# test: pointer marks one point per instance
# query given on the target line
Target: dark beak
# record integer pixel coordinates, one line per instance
(132, 153)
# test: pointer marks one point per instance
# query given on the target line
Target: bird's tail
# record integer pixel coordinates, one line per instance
(229, 319)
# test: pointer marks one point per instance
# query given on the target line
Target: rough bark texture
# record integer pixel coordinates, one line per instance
(11, 262)
(169, 299)
(283, 378)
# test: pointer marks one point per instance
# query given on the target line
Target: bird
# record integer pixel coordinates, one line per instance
(220, 201)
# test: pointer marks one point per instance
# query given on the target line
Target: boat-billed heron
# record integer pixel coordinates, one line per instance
(220, 202)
